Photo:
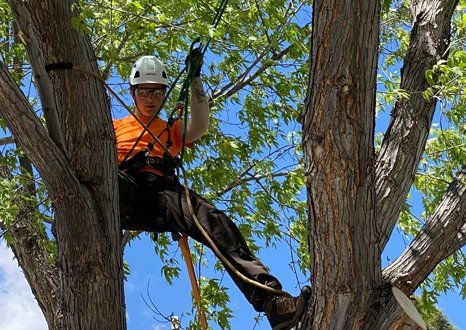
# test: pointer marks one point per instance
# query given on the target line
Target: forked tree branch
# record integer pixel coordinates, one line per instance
(35, 139)
(29, 35)
(242, 80)
(79, 177)
(405, 139)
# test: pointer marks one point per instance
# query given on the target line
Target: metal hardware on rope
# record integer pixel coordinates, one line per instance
(190, 207)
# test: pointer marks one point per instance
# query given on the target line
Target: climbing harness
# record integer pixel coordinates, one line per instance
(216, 251)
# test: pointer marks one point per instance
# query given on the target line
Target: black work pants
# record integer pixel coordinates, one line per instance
(149, 202)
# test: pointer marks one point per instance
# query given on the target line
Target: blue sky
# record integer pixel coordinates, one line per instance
(146, 288)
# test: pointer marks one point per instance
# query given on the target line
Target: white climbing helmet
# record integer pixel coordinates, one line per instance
(148, 70)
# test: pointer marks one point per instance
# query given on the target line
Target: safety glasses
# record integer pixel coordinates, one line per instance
(146, 92)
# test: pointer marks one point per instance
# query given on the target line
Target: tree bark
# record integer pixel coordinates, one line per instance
(40, 270)
(29, 35)
(346, 236)
(438, 239)
(79, 170)
(405, 139)
(338, 133)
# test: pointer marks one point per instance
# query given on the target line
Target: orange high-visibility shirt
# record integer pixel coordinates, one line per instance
(127, 131)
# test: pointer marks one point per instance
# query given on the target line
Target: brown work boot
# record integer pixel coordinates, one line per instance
(285, 311)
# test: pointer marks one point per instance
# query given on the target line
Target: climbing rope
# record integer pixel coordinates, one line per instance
(212, 244)
(190, 207)
(182, 102)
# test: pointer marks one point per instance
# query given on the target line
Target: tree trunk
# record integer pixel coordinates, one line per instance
(75, 157)
(338, 133)
(346, 234)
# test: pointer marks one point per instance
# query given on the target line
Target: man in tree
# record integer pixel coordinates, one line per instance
(152, 199)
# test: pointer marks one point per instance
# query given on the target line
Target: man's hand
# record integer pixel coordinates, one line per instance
(196, 58)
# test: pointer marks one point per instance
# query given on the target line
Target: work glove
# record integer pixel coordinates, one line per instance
(197, 56)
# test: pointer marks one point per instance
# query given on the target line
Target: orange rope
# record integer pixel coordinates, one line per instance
(183, 243)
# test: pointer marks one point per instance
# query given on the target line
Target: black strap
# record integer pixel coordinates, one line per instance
(59, 66)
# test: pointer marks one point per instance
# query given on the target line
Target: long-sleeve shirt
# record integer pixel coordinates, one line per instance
(128, 129)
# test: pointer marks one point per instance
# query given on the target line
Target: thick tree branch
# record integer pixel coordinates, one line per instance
(35, 140)
(29, 35)
(39, 268)
(82, 183)
(442, 235)
(405, 139)
(58, 43)
(7, 140)
(41, 274)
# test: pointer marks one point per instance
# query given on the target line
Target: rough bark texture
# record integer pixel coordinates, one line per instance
(338, 147)
(29, 34)
(346, 234)
(76, 160)
(346, 187)
(405, 139)
(38, 268)
(438, 239)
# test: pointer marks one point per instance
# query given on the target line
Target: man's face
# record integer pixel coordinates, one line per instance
(148, 98)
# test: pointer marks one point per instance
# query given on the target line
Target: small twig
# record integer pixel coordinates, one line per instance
(7, 140)
(293, 264)
(265, 27)
(118, 50)
(239, 181)
(446, 149)
(151, 305)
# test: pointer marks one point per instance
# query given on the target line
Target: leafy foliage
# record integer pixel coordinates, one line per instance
(434, 317)
(215, 302)
(252, 144)
(17, 203)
